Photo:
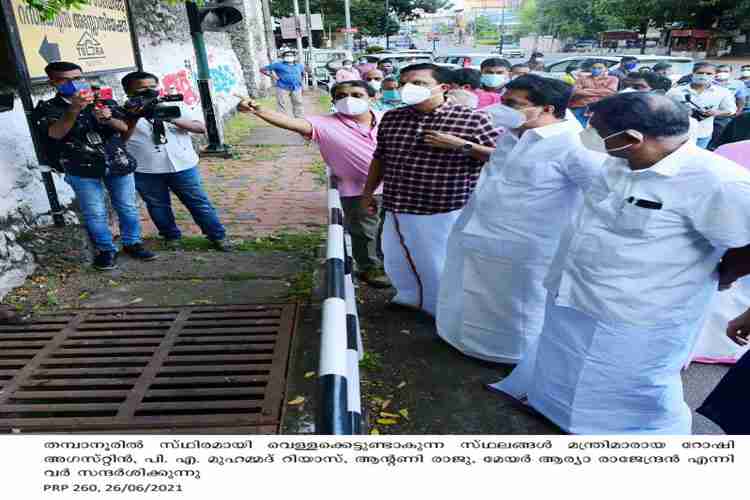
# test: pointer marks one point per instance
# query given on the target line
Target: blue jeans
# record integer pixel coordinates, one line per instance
(186, 185)
(702, 142)
(91, 198)
(579, 113)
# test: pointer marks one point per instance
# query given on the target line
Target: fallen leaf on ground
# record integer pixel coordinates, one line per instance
(407, 332)
(136, 300)
(404, 413)
(401, 385)
(296, 401)
(386, 421)
(388, 415)
(375, 432)
(385, 404)
(309, 374)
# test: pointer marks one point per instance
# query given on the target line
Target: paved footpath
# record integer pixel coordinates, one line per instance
(269, 187)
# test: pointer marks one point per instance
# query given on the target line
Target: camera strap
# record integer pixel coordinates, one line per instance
(159, 134)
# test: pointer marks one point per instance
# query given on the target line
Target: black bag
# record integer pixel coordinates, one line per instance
(728, 405)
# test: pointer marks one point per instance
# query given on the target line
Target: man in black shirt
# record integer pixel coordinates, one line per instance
(737, 130)
(82, 136)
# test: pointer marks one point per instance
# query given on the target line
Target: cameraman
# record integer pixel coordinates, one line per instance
(83, 138)
(705, 100)
(167, 162)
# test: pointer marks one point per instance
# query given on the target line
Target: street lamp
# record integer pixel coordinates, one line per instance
(387, 25)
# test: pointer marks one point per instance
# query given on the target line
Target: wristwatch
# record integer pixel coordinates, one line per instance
(467, 148)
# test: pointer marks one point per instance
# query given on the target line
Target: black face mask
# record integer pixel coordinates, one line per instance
(148, 93)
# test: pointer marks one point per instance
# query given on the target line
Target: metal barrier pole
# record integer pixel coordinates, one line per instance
(333, 411)
(353, 344)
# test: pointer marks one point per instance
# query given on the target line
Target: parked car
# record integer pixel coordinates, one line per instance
(321, 57)
(399, 58)
(513, 51)
(680, 65)
(470, 60)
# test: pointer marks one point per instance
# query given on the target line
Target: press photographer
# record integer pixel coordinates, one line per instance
(705, 100)
(82, 136)
(159, 138)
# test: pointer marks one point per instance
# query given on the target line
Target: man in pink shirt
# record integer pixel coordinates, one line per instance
(591, 89)
(470, 79)
(347, 140)
(347, 73)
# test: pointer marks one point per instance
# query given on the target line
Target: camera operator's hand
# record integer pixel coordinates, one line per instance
(103, 114)
(79, 101)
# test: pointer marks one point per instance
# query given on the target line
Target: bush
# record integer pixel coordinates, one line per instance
(374, 49)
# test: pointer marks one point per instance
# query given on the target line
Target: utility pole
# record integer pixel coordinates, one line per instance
(502, 29)
(387, 25)
(216, 146)
(308, 22)
(298, 33)
(270, 37)
(348, 19)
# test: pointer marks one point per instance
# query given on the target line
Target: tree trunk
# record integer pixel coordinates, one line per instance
(644, 33)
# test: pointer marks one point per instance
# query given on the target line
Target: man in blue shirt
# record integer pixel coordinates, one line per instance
(287, 78)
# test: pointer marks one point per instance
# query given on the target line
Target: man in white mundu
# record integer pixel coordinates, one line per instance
(491, 301)
(428, 157)
(631, 282)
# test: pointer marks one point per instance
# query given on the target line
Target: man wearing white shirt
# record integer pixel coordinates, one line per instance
(168, 162)
(705, 100)
(633, 276)
(491, 302)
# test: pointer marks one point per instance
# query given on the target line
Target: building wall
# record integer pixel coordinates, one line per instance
(166, 50)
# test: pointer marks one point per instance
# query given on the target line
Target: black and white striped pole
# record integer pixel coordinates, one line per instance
(333, 408)
(353, 343)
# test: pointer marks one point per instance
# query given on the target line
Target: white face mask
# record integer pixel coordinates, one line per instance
(414, 94)
(289, 59)
(352, 106)
(505, 116)
(745, 73)
(591, 139)
(376, 84)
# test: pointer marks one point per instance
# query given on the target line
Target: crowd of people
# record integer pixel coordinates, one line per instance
(578, 231)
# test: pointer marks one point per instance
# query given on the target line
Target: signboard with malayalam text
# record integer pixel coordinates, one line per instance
(96, 37)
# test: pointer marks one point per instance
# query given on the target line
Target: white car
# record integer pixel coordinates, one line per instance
(472, 60)
(680, 65)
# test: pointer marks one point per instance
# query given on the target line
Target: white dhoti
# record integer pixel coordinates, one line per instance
(713, 345)
(593, 377)
(491, 302)
(414, 249)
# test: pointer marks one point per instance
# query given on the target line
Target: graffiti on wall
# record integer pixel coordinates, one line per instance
(182, 84)
(223, 78)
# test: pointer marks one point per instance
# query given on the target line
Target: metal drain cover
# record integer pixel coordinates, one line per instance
(202, 369)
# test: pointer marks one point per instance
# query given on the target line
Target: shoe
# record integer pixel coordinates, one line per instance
(138, 251)
(105, 261)
(221, 245)
(376, 278)
(171, 243)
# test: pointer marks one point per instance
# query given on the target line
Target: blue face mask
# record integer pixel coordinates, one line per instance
(630, 66)
(494, 81)
(70, 87)
(391, 95)
(597, 72)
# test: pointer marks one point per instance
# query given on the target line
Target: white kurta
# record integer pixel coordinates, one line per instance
(629, 290)
(491, 302)
(414, 249)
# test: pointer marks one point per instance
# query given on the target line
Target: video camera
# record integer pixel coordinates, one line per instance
(150, 105)
(696, 112)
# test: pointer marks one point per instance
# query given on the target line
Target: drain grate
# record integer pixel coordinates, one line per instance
(205, 369)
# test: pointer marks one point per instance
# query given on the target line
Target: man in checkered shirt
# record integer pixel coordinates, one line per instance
(428, 158)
